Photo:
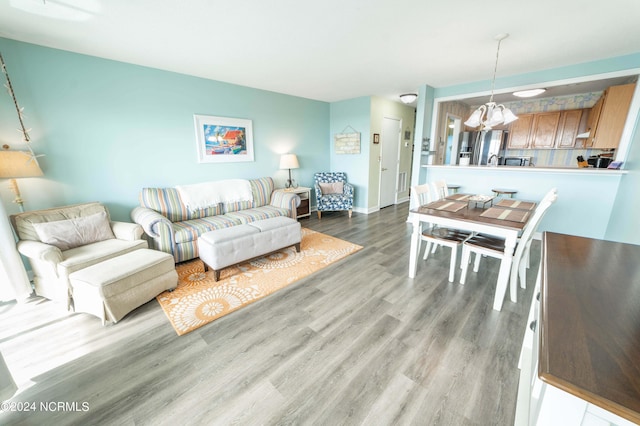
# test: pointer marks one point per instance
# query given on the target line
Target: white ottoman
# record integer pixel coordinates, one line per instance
(229, 246)
(115, 287)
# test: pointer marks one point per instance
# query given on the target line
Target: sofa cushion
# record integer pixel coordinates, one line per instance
(261, 189)
(236, 206)
(167, 202)
(259, 213)
(23, 222)
(69, 233)
(90, 254)
(190, 230)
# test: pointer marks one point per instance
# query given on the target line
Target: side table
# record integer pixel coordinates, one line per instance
(304, 208)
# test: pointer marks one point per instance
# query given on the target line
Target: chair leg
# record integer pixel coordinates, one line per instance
(426, 250)
(350, 214)
(476, 264)
(452, 265)
(503, 282)
(319, 215)
(464, 263)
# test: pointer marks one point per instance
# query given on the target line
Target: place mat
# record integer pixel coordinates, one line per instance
(516, 204)
(446, 205)
(513, 215)
(458, 197)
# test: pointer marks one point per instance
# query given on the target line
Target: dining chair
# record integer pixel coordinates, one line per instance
(447, 237)
(441, 190)
(484, 245)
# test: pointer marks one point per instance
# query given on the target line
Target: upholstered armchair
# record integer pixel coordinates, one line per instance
(333, 192)
(60, 241)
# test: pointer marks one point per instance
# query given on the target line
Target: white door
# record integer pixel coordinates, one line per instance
(390, 141)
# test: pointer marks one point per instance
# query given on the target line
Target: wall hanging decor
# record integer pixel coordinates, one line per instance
(347, 143)
(223, 140)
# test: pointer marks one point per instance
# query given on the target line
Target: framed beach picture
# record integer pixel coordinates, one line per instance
(223, 140)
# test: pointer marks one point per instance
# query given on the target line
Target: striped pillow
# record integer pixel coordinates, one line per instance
(261, 189)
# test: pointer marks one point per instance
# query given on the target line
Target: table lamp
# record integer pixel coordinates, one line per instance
(289, 161)
(18, 164)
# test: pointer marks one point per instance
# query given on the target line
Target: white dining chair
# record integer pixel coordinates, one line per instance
(446, 237)
(441, 190)
(484, 245)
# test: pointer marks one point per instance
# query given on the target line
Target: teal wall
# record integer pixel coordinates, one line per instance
(108, 129)
(346, 117)
(598, 207)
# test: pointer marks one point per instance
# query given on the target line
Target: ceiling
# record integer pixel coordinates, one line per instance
(332, 50)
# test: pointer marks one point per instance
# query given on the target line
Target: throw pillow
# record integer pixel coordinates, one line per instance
(332, 188)
(76, 232)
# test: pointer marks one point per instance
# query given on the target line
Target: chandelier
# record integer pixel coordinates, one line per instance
(492, 114)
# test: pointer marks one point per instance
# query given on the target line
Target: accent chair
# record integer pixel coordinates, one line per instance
(333, 192)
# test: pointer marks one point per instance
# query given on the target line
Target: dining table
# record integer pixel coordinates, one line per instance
(484, 214)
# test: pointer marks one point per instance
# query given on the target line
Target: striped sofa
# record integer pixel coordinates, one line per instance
(174, 229)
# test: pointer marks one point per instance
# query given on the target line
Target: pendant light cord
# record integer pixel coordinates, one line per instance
(495, 68)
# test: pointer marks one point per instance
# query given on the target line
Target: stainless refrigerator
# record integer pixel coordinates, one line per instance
(483, 145)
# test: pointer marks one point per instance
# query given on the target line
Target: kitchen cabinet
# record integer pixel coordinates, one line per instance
(608, 116)
(519, 132)
(543, 131)
(569, 127)
(546, 130)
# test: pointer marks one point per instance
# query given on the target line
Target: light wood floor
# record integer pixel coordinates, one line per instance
(356, 343)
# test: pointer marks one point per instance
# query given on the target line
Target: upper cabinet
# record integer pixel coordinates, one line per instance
(608, 116)
(570, 124)
(545, 130)
(519, 132)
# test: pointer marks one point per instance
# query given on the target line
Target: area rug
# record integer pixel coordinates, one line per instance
(199, 299)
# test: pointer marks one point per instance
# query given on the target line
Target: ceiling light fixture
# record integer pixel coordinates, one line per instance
(529, 93)
(407, 98)
(492, 114)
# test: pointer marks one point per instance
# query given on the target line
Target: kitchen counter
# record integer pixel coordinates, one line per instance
(590, 321)
(532, 169)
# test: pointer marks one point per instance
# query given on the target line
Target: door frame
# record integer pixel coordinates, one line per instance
(396, 163)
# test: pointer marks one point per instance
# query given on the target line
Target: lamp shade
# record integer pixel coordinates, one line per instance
(289, 161)
(18, 164)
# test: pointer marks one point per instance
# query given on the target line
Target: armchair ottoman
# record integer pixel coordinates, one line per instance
(115, 287)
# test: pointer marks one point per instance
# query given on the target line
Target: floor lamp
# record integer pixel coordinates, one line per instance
(18, 164)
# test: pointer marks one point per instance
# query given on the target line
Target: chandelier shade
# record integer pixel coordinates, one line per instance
(491, 114)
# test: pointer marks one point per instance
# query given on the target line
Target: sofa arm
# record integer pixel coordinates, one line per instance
(157, 227)
(150, 220)
(40, 251)
(127, 231)
(286, 200)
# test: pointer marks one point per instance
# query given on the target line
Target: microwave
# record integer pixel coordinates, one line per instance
(516, 161)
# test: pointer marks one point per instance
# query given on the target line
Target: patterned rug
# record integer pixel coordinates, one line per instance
(198, 299)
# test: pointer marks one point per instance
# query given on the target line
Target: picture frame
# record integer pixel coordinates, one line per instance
(376, 138)
(223, 139)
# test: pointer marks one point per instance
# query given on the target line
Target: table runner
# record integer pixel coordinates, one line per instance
(458, 197)
(446, 205)
(513, 215)
(516, 204)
